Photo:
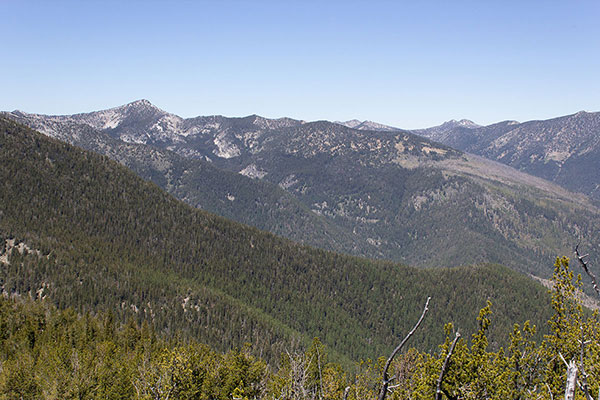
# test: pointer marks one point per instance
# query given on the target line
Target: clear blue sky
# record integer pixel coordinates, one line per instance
(408, 64)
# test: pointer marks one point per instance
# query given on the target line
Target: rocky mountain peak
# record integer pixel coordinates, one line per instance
(353, 123)
(140, 106)
(466, 123)
(140, 103)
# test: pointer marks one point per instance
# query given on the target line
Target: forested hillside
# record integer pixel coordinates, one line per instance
(202, 185)
(83, 231)
(48, 353)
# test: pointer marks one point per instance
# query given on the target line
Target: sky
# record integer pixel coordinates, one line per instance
(410, 64)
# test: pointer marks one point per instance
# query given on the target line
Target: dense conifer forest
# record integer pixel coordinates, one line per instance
(48, 353)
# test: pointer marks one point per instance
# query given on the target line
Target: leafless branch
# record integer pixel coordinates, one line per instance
(320, 373)
(571, 380)
(549, 391)
(438, 392)
(563, 360)
(386, 379)
(586, 269)
(584, 383)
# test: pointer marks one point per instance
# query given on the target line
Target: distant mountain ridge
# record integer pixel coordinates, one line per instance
(367, 125)
(381, 194)
(564, 150)
(439, 133)
(160, 126)
(142, 122)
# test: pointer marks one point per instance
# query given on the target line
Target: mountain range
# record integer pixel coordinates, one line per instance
(84, 232)
(378, 193)
(564, 150)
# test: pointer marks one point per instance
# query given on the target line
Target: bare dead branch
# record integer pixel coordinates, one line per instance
(438, 392)
(549, 391)
(346, 392)
(584, 383)
(320, 373)
(586, 269)
(386, 379)
(571, 381)
(563, 360)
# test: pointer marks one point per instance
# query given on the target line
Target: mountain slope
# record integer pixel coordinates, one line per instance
(86, 232)
(390, 195)
(202, 185)
(398, 192)
(564, 150)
